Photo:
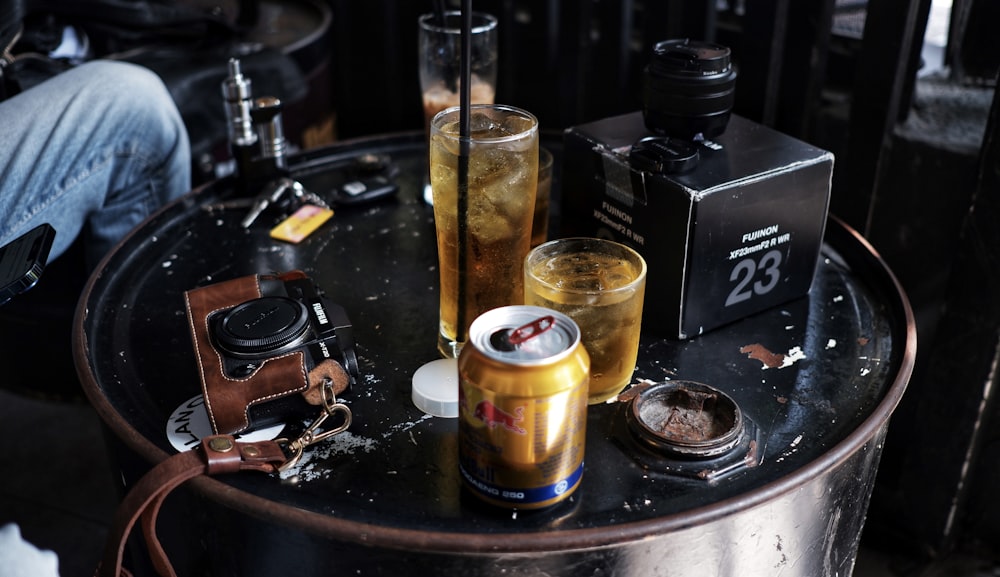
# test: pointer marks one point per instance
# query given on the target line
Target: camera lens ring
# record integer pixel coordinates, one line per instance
(689, 89)
(262, 327)
(685, 57)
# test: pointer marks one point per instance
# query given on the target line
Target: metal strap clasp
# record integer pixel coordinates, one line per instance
(315, 432)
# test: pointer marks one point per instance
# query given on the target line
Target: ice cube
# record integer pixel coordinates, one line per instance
(616, 274)
(515, 124)
(487, 228)
(482, 125)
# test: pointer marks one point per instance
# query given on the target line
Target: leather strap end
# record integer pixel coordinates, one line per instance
(223, 454)
(330, 371)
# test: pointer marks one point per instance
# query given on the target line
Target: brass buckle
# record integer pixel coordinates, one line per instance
(315, 433)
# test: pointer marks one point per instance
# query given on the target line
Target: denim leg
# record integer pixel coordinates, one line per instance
(101, 144)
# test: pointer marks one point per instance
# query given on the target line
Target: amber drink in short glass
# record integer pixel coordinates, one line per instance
(484, 236)
(600, 284)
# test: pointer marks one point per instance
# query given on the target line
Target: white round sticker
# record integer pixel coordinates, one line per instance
(189, 424)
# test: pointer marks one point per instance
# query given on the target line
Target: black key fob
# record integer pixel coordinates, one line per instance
(372, 177)
(364, 189)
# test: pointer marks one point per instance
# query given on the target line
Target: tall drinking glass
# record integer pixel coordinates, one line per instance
(483, 235)
(440, 51)
(600, 284)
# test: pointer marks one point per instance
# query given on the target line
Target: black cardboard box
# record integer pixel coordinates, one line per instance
(738, 233)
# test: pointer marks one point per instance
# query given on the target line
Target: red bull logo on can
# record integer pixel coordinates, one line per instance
(492, 415)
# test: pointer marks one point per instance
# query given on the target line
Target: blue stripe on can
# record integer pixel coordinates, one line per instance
(523, 496)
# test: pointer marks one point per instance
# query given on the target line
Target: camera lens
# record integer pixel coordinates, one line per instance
(689, 89)
(262, 326)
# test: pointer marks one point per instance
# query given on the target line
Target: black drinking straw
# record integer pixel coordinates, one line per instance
(465, 98)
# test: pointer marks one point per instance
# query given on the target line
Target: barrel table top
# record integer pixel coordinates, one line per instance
(817, 375)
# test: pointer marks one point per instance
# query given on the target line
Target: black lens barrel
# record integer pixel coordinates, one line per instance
(262, 327)
(689, 89)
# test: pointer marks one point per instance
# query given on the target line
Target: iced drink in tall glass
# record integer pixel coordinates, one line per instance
(484, 235)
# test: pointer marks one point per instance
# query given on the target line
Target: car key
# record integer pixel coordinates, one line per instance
(273, 194)
(307, 197)
(266, 198)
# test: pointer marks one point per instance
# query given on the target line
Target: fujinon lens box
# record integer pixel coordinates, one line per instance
(733, 231)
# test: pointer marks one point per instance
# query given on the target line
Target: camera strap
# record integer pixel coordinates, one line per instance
(217, 454)
(228, 406)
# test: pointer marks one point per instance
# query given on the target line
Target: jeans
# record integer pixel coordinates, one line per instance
(93, 150)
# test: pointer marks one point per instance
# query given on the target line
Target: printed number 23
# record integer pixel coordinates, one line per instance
(744, 273)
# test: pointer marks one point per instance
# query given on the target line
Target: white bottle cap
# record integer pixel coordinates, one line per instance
(435, 388)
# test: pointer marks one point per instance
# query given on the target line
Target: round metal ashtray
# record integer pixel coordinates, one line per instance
(686, 419)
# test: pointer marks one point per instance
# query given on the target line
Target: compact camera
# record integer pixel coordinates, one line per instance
(729, 214)
(266, 346)
(290, 316)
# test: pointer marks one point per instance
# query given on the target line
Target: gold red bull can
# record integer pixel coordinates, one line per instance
(523, 377)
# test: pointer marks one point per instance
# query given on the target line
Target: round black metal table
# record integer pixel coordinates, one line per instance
(819, 377)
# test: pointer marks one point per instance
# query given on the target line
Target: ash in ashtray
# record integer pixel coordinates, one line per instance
(686, 416)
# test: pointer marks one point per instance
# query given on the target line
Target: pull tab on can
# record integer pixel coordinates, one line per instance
(509, 340)
(531, 330)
